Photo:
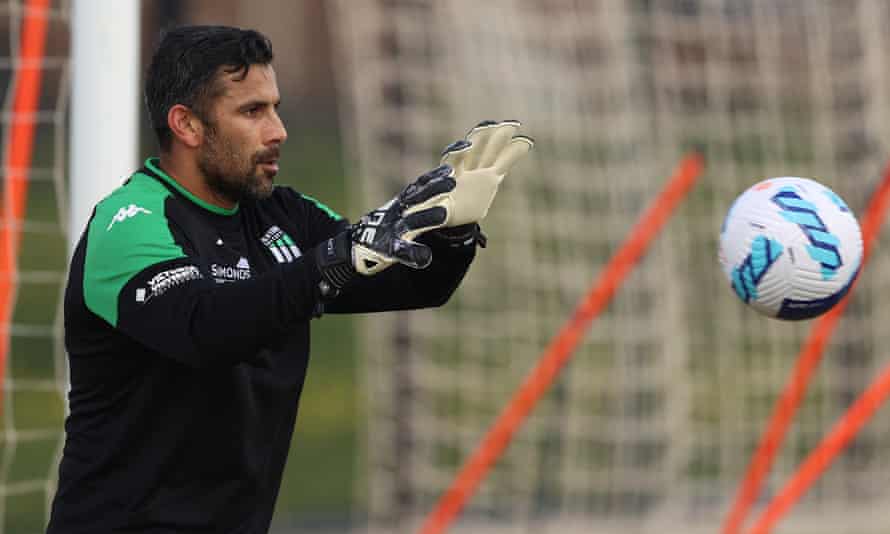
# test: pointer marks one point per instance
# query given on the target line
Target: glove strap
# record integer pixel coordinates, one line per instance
(334, 259)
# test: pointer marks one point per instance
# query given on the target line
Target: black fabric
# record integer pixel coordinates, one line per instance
(464, 234)
(181, 416)
(334, 260)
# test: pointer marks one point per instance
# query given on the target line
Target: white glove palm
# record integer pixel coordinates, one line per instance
(479, 162)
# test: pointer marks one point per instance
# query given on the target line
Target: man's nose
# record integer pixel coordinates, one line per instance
(277, 132)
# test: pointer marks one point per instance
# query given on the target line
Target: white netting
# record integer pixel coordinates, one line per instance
(652, 425)
(32, 400)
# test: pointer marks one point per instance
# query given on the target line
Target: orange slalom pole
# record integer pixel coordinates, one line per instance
(19, 152)
(807, 362)
(561, 348)
(824, 454)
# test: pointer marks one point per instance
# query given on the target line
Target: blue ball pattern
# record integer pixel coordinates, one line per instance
(746, 277)
(823, 246)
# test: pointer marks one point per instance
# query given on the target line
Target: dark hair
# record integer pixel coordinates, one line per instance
(183, 69)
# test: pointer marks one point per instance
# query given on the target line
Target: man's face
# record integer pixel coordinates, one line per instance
(243, 134)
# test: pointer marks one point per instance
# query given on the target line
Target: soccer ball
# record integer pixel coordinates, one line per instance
(790, 248)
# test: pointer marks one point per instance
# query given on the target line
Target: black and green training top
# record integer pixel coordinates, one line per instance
(187, 330)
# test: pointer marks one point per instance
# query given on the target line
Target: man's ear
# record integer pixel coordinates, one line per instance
(185, 125)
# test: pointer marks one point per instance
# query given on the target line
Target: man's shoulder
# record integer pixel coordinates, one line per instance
(128, 232)
(292, 200)
(139, 195)
(133, 213)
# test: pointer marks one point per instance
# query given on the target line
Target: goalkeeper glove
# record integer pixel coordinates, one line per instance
(384, 236)
(480, 163)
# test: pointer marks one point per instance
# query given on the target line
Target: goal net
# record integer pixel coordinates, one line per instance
(652, 425)
(32, 257)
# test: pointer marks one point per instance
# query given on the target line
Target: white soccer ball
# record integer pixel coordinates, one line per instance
(790, 248)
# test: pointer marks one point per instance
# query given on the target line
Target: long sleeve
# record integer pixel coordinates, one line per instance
(149, 286)
(397, 288)
(403, 288)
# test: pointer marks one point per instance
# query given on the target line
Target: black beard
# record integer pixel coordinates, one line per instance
(218, 165)
(231, 188)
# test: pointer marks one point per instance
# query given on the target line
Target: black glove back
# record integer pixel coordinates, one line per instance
(383, 237)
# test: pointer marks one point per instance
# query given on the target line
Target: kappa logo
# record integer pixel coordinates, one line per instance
(281, 245)
(125, 213)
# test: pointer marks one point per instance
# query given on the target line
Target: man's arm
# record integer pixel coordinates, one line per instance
(474, 168)
(402, 288)
(142, 282)
(397, 287)
(145, 283)
(445, 203)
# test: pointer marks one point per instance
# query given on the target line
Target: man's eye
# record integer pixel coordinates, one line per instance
(252, 111)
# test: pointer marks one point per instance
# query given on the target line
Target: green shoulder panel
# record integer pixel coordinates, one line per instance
(331, 213)
(128, 233)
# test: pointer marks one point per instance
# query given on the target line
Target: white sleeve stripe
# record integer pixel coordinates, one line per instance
(286, 254)
(277, 254)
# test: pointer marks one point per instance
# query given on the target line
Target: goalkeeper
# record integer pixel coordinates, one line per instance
(191, 290)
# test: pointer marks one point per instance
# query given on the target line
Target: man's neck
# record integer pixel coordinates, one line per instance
(186, 172)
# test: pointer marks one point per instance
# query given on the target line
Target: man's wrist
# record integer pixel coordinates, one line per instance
(333, 257)
(462, 235)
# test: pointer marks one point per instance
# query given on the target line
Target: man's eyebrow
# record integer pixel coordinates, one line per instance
(259, 103)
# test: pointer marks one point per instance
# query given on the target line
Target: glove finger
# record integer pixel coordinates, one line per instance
(499, 139)
(421, 221)
(479, 137)
(414, 255)
(418, 193)
(518, 147)
(441, 170)
(483, 124)
(455, 153)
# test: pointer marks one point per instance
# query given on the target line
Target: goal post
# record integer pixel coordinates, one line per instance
(653, 424)
(59, 56)
(105, 77)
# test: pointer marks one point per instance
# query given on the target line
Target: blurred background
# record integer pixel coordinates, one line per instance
(652, 425)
